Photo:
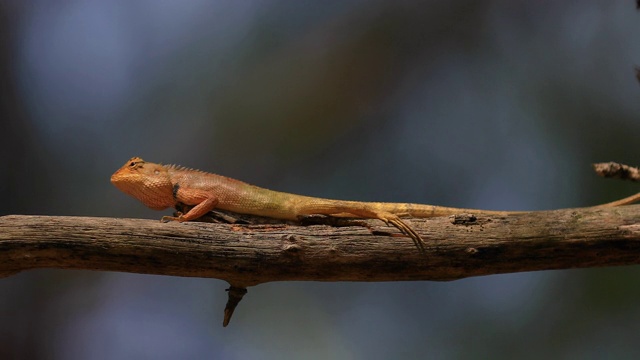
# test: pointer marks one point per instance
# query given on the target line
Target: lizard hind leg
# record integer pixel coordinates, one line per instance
(389, 219)
(365, 211)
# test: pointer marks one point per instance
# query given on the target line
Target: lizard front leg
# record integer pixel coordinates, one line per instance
(196, 212)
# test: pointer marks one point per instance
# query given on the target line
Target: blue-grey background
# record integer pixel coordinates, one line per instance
(485, 104)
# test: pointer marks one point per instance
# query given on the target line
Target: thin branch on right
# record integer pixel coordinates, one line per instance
(617, 170)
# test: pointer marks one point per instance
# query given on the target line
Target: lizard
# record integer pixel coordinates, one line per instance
(162, 186)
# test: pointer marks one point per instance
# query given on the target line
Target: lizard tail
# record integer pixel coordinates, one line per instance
(426, 211)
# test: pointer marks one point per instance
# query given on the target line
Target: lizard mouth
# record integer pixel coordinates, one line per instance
(120, 180)
(124, 182)
(154, 193)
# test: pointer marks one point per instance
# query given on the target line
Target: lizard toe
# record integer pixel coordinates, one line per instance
(405, 229)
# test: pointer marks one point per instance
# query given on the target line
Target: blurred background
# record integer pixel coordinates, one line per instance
(479, 104)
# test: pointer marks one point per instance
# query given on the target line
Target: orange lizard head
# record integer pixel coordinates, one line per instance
(148, 182)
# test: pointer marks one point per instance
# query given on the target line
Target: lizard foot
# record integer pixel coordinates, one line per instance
(172, 218)
(405, 229)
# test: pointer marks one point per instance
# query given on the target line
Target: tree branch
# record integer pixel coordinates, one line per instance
(246, 255)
